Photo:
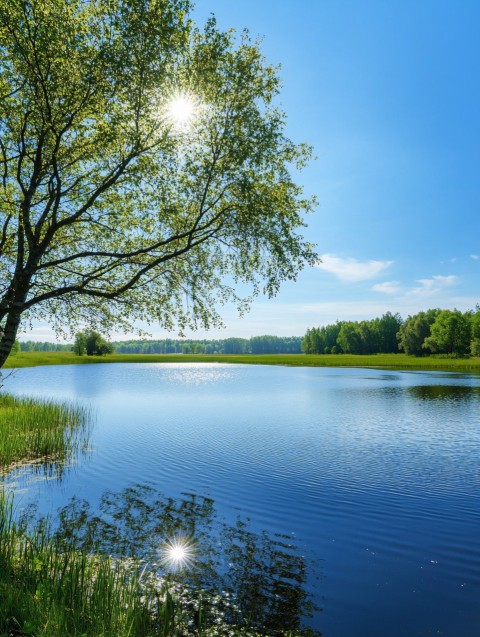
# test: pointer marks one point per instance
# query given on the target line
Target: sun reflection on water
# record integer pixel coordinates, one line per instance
(178, 553)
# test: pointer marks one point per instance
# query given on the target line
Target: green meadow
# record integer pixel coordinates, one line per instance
(381, 361)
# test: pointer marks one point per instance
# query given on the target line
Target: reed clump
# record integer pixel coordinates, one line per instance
(47, 590)
(33, 430)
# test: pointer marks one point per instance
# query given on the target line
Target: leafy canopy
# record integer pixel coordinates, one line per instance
(110, 212)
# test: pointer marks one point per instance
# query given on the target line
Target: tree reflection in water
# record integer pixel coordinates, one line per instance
(246, 578)
(458, 393)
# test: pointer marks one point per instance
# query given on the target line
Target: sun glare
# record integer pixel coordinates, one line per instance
(178, 553)
(181, 111)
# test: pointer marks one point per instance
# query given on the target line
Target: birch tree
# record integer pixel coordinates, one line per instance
(145, 170)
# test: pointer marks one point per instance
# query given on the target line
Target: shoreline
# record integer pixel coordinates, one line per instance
(400, 362)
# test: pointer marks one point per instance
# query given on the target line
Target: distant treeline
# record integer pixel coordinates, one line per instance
(446, 332)
(255, 345)
(37, 346)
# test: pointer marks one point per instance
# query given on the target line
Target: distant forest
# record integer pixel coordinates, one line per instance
(255, 345)
(442, 332)
(44, 346)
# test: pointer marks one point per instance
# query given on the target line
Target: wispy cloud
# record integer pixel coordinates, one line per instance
(351, 269)
(475, 257)
(431, 287)
(387, 287)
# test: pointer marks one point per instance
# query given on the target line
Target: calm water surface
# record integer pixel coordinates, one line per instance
(377, 473)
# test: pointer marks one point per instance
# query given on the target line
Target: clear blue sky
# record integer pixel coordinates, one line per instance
(387, 92)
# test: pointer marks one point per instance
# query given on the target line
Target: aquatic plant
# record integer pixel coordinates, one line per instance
(39, 430)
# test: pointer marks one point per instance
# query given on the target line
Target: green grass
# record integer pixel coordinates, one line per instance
(47, 590)
(381, 361)
(32, 430)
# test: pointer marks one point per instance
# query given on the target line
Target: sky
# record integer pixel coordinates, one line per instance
(387, 93)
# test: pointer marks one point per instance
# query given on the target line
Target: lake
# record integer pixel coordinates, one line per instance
(375, 473)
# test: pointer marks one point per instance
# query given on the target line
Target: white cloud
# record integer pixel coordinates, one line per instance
(351, 269)
(433, 286)
(475, 257)
(387, 287)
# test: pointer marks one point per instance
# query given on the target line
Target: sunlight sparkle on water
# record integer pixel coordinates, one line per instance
(178, 553)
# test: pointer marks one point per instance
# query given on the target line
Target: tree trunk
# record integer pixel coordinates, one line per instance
(10, 332)
(11, 314)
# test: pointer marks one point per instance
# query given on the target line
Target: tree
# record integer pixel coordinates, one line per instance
(322, 340)
(475, 323)
(450, 333)
(115, 208)
(412, 334)
(91, 343)
(96, 345)
(388, 327)
(370, 336)
(350, 338)
(313, 341)
(235, 346)
(80, 345)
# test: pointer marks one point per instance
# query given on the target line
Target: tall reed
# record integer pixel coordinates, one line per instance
(47, 591)
(32, 429)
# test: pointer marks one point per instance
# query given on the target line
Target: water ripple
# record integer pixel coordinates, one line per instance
(378, 473)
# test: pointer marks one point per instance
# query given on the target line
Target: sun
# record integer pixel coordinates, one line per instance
(181, 111)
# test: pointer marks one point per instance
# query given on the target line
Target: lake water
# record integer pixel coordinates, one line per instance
(376, 473)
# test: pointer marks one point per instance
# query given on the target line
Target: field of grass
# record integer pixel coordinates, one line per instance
(38, 430)
(381, 361)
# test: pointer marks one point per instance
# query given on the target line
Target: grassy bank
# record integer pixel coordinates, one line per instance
(49, 589)
(46, 591)
(382, 361)
(32, 430)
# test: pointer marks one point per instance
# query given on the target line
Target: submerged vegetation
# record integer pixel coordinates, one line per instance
(38, 430)
(107, 574)
(47, 590)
